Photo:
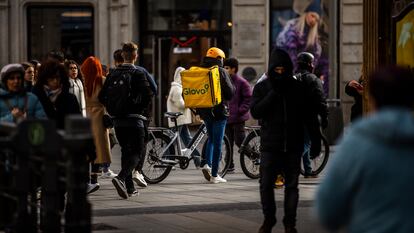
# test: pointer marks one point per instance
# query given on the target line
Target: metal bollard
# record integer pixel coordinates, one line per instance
(77, 138)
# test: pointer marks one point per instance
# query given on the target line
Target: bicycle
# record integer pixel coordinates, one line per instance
(165, 151)
(250, 155)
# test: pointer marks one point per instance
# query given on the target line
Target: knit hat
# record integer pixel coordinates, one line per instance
(10, 68)
(315, 6)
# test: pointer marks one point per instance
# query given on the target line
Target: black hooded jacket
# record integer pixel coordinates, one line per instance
(278, 103)
(221, 111)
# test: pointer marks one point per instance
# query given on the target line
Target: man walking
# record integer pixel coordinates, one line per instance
(318, 107)
(126, 94)
(278, 102)
(239, 106)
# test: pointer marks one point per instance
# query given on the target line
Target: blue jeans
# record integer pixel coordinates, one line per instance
(215, 131)
(306, 157)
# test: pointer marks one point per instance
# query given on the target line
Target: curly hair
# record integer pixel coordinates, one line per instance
(92, 72)
(48, 70)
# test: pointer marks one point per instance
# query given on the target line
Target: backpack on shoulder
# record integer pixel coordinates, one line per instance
(120, 99)
(201, 87)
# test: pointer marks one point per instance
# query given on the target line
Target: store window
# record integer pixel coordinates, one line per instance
(188, 15)
(65, 28)
(303, 25)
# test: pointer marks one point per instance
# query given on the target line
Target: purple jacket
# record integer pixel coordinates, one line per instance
(239, 105)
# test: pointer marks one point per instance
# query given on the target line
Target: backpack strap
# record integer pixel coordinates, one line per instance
(26, 102)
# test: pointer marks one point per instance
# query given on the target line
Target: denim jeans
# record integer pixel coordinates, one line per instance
(186, 138)
(215, 131)
(306, 156)
(273, 163)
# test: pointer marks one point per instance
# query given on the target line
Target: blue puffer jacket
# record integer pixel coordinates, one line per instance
(369, 183)
(34, 107)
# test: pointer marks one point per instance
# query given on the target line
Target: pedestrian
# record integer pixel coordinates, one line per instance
(215, 118)
(16, 104)
(318, 109)
(278, 103)
(127, 114)
(36, 65)
(76, 84)
(355, 89)
(368, 186)
(239, 106)
(92, 73)
(29, 74)
(52, 89)
(175, 103)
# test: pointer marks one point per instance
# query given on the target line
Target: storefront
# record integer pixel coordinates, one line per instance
(178, 33)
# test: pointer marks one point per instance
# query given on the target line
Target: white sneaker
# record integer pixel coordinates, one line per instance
(206, 172)
(139, 179)
(218, 179)
(92, 188)
(108, 175)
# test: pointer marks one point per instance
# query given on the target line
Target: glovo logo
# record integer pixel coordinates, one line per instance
(193, 91)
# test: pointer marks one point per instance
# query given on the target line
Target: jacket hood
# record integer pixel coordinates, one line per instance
(8, 69)
(392, 126)
(177, 74)
(279, 57)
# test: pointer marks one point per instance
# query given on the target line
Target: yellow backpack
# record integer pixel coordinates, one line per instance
(201, 87)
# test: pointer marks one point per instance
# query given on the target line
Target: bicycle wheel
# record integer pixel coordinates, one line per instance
(154, 170)
(319, 163)
(250, 155)
(225, 156)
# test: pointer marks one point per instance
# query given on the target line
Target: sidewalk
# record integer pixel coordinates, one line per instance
(185, 202)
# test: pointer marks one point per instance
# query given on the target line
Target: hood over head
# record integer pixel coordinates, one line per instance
(8, 69)
(177, 74)
(279, 57)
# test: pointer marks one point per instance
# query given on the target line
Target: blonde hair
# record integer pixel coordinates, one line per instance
(313, 34)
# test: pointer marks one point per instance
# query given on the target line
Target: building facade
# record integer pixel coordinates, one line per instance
(175, 33)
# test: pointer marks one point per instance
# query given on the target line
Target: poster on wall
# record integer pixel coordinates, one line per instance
(404, 37)
(303, 26)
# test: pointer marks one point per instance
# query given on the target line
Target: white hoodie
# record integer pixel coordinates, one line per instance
(175, 101)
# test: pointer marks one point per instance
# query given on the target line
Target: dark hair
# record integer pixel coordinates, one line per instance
(56, 55)
(128, 49)
(34, 62)
(50, 68)
(26, 65)
(118, 56)
(67, 66)
(392, 86)
(232, 62)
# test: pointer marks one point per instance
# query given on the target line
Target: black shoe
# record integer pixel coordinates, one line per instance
(267, 226)
(120, 187)
(290, 230)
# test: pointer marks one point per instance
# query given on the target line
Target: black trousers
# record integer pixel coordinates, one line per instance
(235, 133)
(131, 140)
(271, 164)
(144, 149)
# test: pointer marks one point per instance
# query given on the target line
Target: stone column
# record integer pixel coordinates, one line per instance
(250, 34)
(4, 31)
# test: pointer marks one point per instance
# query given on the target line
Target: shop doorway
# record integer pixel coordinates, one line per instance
(170, 52)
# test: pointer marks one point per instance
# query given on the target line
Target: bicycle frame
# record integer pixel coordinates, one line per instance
(175, 139)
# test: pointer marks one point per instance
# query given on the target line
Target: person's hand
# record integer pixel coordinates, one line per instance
(359, 87)
(16, 113)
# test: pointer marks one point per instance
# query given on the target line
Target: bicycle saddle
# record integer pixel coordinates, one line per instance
(173, 114)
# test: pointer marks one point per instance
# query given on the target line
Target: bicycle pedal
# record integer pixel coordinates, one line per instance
(162, 166)
(168, 162)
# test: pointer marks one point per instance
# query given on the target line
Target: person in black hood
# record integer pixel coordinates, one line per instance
(278, 103)
(215, 118)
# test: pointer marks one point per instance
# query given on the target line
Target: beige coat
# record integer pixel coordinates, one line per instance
(95, 110)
